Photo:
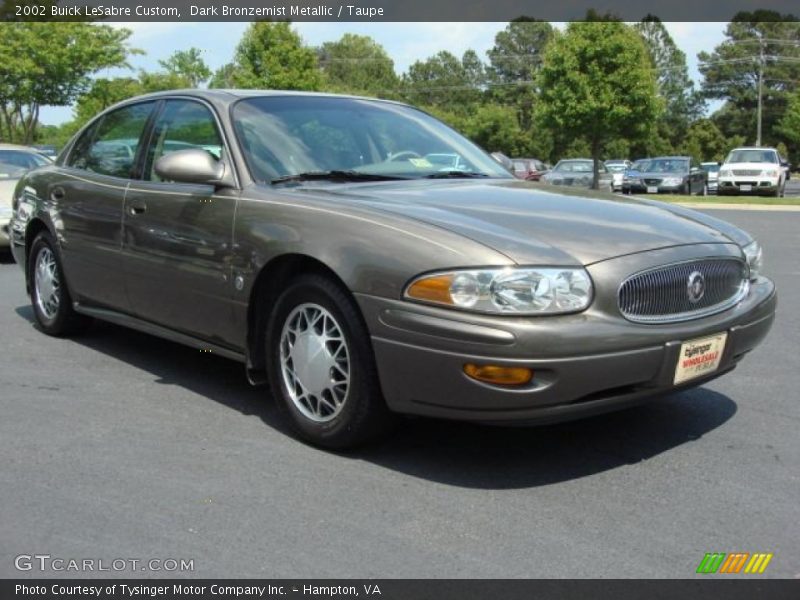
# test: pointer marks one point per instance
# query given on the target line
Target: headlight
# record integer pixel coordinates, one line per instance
(725, 173)
(755, 259)
(520, 291)
(769, 173)
(672, 181)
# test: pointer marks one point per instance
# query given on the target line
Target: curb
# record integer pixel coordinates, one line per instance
(720, 206)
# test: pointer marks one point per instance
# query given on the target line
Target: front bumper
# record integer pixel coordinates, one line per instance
(641, 188)
(750, 186)
(584, 364)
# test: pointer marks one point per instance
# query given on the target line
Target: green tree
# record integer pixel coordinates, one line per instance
(102, 94)
(731, 72)
(444, 80)
(188, 65)
(357, 64)
(705, 142)
(789, 125)
(271, 56)
(514, 61)
(50, 64)
(596, 81)
(682, 103)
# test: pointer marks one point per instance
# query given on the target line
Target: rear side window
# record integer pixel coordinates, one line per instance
(182, 125)
(110, 146)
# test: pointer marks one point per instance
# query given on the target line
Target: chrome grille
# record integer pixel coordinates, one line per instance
(652, 181)
(747, 172)
(662, 295)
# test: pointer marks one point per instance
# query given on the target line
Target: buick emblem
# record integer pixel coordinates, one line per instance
(696, 287)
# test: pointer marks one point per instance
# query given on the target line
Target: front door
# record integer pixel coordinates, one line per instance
(177, 237)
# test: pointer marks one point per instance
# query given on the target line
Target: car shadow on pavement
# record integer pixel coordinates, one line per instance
(450, 453)
(6, 258)
(488, 457)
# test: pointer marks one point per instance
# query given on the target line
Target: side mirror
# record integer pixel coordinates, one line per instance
(193, 166)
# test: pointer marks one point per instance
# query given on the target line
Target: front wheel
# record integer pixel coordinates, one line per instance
(321, 367)
(52, 304)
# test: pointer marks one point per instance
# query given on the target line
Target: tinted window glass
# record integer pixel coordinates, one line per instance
(289, 135)
(110, 147)
(182, 125)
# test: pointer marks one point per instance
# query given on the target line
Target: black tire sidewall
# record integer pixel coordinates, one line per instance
(57, 324)
(353, 424)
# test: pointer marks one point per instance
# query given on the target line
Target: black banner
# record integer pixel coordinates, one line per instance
(411, 589)
(382, 10)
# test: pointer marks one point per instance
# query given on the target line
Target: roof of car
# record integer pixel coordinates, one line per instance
(230, 95)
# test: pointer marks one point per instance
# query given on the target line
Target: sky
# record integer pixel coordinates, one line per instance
(404, 42)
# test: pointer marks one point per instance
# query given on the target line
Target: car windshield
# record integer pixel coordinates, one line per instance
(710, 168)
(616, 167)
(285, 136)
(574, 166)
(752, 156)
(667, 165)
(640, 165)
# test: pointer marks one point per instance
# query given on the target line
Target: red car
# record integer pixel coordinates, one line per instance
(529, 169)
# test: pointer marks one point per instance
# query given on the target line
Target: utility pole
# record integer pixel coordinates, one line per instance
(760, 88)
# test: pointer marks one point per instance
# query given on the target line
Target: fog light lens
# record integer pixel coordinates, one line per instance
(499, 375)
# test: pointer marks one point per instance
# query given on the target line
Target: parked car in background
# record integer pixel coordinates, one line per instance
(752, 171)
(314, 244)
(529, 169)
(47, 150)
(503, 160)
(22, 156)
(577, 172)
(712, 175)
(617, 168)
(670, 175)
(633, 175)
(9, 176)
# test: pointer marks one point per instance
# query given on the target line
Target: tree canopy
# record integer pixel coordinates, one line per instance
(596, 82)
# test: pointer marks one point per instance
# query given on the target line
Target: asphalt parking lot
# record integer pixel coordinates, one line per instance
(120, 445)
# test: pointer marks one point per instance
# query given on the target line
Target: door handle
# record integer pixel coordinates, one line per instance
(138, 207)
(57, 194)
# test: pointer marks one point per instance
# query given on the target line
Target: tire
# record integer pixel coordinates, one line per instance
(336, 403)
(50, 298)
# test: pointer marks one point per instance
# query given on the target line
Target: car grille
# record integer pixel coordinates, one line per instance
(652, 181)
(662, 295)
(747, 172)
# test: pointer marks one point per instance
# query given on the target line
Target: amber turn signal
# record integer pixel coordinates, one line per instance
(432, 289)
(499, 375)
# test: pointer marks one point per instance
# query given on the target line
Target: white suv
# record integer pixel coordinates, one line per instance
(752, 171)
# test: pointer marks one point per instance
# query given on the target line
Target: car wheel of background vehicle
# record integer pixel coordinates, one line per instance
(52, 304)
(321, 365)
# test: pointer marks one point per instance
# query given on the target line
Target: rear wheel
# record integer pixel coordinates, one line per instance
(52, 304)
(321, 366)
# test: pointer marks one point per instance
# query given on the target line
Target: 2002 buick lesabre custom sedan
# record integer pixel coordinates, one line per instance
(308, 236)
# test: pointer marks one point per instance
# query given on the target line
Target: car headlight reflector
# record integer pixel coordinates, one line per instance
(520, 291)
(755, 259)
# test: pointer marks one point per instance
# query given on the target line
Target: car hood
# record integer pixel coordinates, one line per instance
(664, 174)
(756, 166)
(532, 223)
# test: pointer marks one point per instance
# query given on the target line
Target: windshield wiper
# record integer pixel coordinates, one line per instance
(333, 176)
(455, 175)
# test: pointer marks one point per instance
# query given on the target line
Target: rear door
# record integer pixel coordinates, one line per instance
(178, 236)
(89, 192)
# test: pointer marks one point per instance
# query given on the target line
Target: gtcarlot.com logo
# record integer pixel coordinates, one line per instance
(46, 562)
(735, 562)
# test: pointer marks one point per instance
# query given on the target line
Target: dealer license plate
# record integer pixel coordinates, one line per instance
(700, 357)
(652, 189)
(745, 188)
